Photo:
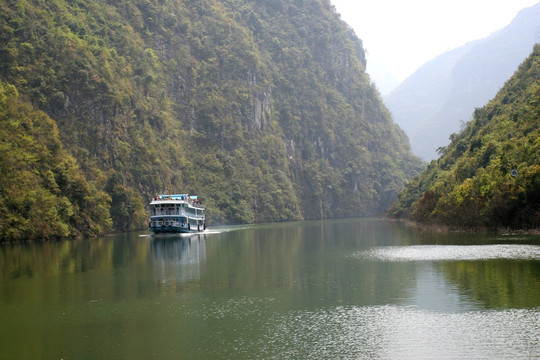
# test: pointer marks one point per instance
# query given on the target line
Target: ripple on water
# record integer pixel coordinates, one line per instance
(451, 252)
(393, 332)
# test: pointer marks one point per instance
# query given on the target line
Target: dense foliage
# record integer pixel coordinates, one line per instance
(262, 108)
(489, 175)
(43, 194)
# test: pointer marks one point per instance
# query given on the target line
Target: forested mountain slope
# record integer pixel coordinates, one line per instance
(489, 175)
(42, 192)
(262, 108)
(433, 102)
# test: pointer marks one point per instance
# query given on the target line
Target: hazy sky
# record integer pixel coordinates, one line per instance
(405, 34)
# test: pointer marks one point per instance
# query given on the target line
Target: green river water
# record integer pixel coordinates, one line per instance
(348, 289)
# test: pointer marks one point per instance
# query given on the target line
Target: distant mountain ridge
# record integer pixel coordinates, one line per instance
(431, 104)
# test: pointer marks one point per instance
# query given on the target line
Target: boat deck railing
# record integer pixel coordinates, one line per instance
(191, 201)
(176, 212)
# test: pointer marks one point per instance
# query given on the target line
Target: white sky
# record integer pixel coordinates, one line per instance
(405, 34)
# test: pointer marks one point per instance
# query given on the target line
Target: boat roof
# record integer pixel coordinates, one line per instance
(175, 197)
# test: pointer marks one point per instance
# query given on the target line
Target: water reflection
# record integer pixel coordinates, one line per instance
(324, 289)
(55, 258)
(392, 332)
(497, 276)
(306, 264)
(179, 249)
(177, 258)
(497, 284)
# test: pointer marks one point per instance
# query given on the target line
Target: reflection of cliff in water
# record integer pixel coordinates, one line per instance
(497, 283)
(55, 258)
(178, 257)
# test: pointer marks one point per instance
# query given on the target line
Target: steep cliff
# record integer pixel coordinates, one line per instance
(43, 194)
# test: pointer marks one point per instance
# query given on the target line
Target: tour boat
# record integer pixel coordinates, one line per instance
(178, 213)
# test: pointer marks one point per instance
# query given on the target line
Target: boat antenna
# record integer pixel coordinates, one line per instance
(169, 191)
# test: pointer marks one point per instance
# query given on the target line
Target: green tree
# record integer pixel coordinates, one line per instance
(43, 194)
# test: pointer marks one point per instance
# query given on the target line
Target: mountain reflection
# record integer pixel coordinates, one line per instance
(308, 264)
(497, 284)
(56, 258)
